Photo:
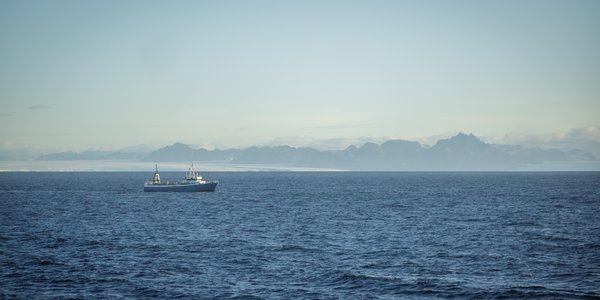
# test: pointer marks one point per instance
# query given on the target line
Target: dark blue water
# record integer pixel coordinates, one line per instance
(302, 235)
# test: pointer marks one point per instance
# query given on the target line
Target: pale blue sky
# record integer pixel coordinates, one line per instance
(89, 74)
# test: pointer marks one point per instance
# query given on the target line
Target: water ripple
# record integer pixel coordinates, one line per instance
(302, 235)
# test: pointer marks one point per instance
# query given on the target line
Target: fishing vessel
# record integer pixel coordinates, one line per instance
(192, 183)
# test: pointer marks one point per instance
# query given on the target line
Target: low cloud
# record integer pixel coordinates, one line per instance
(586, 138)
(586, 134)
(591, 133)
(39, 107)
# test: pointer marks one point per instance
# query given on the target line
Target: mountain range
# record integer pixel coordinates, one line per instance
(459, 153)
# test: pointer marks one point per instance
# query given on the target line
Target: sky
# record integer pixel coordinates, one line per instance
(107, 74)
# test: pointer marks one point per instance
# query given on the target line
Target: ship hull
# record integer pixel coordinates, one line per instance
(200, 187)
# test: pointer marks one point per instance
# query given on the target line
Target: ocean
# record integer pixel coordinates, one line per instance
(301, 235)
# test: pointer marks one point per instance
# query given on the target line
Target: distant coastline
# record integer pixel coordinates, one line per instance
(136, 166)
(459, 153)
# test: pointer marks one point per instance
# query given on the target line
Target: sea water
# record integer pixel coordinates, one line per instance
(301, 235)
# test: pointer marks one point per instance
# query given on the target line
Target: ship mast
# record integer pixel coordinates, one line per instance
(193, 173)
(156, 176)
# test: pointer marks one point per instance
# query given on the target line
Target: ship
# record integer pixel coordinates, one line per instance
(192, 183)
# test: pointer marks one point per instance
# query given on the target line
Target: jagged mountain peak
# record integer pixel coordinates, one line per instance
(369, 146)
(175, 152)
(394, 145)
(179, 145)
(351, 148)
(465, 137)
(461, 141)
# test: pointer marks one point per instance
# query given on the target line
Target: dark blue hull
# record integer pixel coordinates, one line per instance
(201, 187)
